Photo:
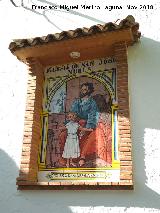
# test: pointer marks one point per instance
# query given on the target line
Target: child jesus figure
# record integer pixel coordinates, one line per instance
(71, 148)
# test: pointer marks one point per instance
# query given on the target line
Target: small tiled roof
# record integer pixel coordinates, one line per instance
(128, 22)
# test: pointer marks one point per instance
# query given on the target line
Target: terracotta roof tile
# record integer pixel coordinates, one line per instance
(128, 22)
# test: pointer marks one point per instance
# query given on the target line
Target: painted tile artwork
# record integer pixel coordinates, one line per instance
(79, 138)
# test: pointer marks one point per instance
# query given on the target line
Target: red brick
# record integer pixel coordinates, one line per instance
(123, 144)
(126, 158)
(124, 127)
(125, 133)
(125, 136)
(127, 168)
(125, 162)
(125, 177)
(125, 149)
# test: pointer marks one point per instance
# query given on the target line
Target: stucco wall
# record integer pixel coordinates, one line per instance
(144, 87)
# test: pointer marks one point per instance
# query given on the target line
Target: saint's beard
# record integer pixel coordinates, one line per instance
(83, 95)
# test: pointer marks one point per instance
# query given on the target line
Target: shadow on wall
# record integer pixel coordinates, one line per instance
(12, 200)
(8, 174)
(144, 89)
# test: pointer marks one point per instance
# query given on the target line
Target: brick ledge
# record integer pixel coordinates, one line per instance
(27, 185)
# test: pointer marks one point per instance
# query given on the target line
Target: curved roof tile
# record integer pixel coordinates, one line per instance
(128, 22)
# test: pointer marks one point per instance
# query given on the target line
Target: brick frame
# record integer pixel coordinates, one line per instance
(32, 125)
(29, 166)
(125, 146)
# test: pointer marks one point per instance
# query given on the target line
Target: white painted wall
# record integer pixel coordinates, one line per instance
(144, 87)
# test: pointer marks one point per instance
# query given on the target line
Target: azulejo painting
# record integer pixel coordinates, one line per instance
(79, 138)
